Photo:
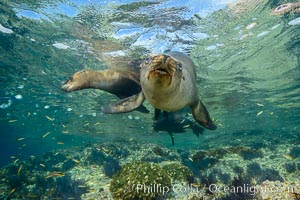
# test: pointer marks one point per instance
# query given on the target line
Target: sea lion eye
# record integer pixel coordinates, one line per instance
(179, 67)
(147, 60)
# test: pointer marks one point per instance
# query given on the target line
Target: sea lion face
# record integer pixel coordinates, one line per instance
(78, 81)
(161, 70)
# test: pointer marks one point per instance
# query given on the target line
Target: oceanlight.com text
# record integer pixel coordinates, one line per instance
(213, 188)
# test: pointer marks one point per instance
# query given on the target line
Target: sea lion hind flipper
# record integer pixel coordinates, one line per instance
(201, 115)
(125, 105)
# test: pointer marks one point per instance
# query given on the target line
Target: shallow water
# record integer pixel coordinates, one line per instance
(247, 72)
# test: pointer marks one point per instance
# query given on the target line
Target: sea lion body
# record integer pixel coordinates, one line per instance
(121, 83)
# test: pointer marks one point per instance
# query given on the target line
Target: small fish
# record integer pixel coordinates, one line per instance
(259, 104)
(46, 134)
(32, 196)
(12, 191)
(60, 143)
(86, 124)
(195, 184)
(220, 124)
(191, 159)
(55, 174)
(64, 126)
(65, 131)
(76, 161)
(96, 123)
(12, 120)
(20, 139)
(82, 186)
(182, 121)
(287, 156)
(28, 114)
(20, 170)
(49, 118)
(271, 113)
(186, 126)
(259, 113)
(42, 165)
(15, 161)
(13, 157)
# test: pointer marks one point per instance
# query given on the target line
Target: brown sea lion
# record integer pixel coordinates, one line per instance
(168, 82)
(121, 83)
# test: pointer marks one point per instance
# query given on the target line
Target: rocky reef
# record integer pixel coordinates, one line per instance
(125, 169)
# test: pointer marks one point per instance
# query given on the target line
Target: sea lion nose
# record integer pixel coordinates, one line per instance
(166, 57)
(69, 79)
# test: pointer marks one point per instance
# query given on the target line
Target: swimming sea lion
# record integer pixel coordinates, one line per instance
(168, 82)
(121, 83)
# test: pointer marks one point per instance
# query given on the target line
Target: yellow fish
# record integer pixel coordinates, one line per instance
(42, 165)
(20, 170)
(195, 184)
(12, 191)
(287, 156)
(55, 174)
(49, 118)
(46, 134)
(259, 113)
(76, 161)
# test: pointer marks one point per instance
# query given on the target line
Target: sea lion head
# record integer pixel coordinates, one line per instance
(78, 81)
(161, 70)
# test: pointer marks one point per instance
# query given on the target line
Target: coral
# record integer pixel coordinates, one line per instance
(158, 151)
(179, 172)
(286, 8)
(238, 183)
(254, 169)
(249, 154)
(295, 152)
(290, 167)
(110, 168)
(140, 180)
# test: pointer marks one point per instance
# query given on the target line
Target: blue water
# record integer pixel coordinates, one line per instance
(247, 75)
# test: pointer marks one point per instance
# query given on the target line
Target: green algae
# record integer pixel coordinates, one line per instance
(125, 183)
(179, 172)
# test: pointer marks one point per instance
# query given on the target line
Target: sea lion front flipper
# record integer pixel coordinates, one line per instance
(125, 105)
(201, 115)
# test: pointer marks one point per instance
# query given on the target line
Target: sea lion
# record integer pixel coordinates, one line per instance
(120, 83)
(168, 82)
